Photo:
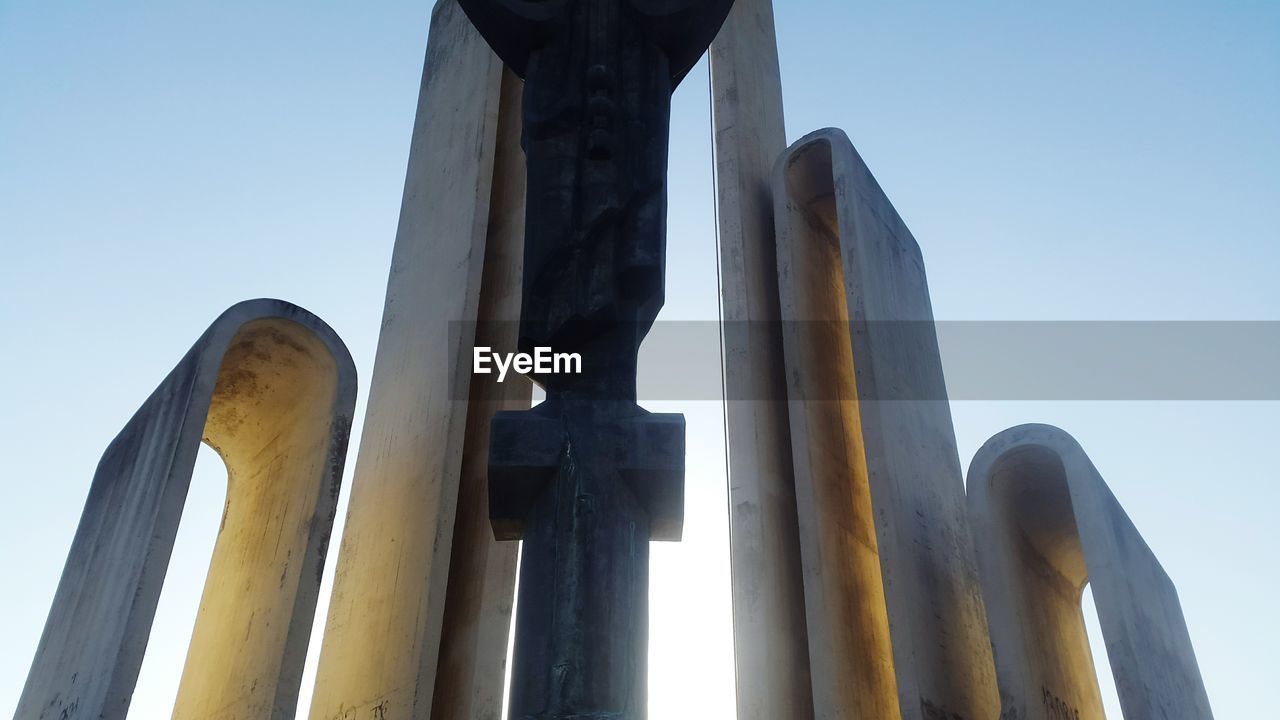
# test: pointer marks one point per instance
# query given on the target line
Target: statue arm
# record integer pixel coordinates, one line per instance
(513, 28)
(683, 28)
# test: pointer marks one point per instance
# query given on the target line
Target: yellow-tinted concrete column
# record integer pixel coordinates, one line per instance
(420, 587)
(771, 657)
(269, 422)
(893, 602)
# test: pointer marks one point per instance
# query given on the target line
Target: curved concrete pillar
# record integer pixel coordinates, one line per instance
(272, 389)
(1046, 524)
(893, 604)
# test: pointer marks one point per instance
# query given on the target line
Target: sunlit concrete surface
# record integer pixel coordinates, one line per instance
(1046, 524)
(771, 654)
(421, 607)
(272, 389)
(894, 612)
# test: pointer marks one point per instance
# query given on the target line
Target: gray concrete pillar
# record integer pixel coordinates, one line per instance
(894, 610)
(771, 655)
(1046, 525)
(421, 604)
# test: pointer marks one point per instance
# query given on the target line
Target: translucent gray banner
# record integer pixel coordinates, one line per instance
(995, 360)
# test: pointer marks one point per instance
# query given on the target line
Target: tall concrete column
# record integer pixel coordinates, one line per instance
(272, 389)
(482, 571)
(893, 600)
(771, 654)
(422, 597)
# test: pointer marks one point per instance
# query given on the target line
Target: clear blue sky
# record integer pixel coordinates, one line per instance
(1087, 160)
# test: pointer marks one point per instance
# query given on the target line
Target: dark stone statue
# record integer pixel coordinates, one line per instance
(588, 478)
(597, 104)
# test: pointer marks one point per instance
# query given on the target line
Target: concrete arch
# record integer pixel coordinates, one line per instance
(272, 388)
(1046, 524)
(893, 605)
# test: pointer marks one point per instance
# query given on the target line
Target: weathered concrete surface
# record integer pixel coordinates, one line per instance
(893, 604)
(482, 571)
(272, 389)
(771, 653)
(422, 596)
(1046, 524)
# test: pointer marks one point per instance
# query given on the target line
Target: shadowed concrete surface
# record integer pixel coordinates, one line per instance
(272, 389)
(482, 571)
(588, 478)
(422, 598)
(1046, 524)
(893, 603)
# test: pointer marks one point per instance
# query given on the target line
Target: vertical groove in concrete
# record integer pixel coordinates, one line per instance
(894, 609)
(272, 389)
(1046, 525)
(771, 658)
(385, 627)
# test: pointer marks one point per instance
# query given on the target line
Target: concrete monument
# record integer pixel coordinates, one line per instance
(272, 389)
(533, 218)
